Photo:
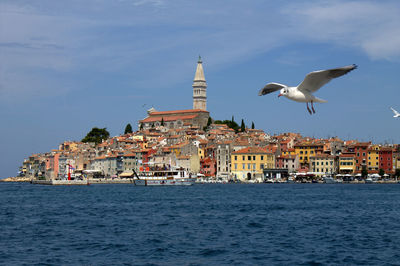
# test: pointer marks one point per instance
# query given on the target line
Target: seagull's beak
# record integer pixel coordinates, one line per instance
(280, 94)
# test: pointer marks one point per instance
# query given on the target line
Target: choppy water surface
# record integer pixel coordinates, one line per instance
(261, 224)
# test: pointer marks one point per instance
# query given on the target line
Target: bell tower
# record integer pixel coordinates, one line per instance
(199, 88)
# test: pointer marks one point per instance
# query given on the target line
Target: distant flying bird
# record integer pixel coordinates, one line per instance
(312, 82)
(396, 114)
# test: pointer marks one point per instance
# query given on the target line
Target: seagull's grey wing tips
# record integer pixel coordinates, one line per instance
(337, 72)
(270, 87)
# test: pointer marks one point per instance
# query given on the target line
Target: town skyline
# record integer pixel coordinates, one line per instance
(68, 68)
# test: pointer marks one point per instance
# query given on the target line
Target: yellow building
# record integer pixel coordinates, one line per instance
(373, 159)
(304, 150)
(249, 163)
(289, 152)
(347, 163)
(200, 153)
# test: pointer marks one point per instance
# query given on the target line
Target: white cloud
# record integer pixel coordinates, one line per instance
(157, 41)
(372, 26)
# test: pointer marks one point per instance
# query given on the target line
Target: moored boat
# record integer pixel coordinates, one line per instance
(175, 177)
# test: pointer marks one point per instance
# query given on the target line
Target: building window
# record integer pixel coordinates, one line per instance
(243, 158)
(254, 157)
(235, 166)
(249, 158)
(249, 166)
(262, 157)
(243, 166)
(261, 166)
(254, 166)
(235, 158)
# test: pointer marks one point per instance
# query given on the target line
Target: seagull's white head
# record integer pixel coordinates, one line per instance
(283, 92)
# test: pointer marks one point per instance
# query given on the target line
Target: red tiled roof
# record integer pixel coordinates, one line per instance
(167, 118)
(178, 112)
(251, 150)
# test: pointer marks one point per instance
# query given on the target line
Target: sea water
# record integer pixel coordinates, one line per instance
(213, 224)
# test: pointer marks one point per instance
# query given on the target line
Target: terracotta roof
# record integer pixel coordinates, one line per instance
(325, 156)
(250, 150)
(167, 118)
(129, 154)
(178, 112)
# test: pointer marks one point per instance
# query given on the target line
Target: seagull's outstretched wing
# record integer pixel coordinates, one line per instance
(271, 87)
(395, 112)
(316, 79)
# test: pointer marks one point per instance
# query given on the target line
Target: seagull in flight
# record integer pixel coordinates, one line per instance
(396, 114)
(311, 83)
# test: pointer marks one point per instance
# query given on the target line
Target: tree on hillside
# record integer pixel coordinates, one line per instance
(229, 123)
(96, 135)
(252, 125)
(128, 129)
(242, 126)
(141, 126)
(209, 122)
(162, 121)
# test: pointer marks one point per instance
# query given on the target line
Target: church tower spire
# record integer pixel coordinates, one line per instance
(199, 88)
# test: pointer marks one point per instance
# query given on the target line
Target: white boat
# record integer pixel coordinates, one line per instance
(370, 180)
(177, 177)
(330, 180)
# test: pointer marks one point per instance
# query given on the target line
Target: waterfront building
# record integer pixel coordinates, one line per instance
(386, 159)
(322, 164)
(208, 167)
(347, 163)
(289, 162)
(373, 159)
(224, 150)
(249, 163)
(305, 149)
(361, 152)
(130, 162)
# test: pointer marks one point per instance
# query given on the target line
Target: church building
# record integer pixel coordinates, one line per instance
(197, 117)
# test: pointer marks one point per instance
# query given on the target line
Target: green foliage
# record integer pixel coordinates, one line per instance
(397, 173)
(141, 126)
(230, 124)
(381, 172)
(128, 129)
(252, 125)
(209, 121)
(96, 135)
(242, 126)
(162, 121)
(364, 172)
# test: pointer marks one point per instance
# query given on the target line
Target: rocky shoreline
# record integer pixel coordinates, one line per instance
(16, 179)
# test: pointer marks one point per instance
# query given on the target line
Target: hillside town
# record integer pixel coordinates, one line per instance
(192, 140)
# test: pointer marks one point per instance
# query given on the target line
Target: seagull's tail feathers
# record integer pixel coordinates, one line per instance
(319, 100)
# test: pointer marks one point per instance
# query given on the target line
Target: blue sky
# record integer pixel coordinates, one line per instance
(68, 66)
